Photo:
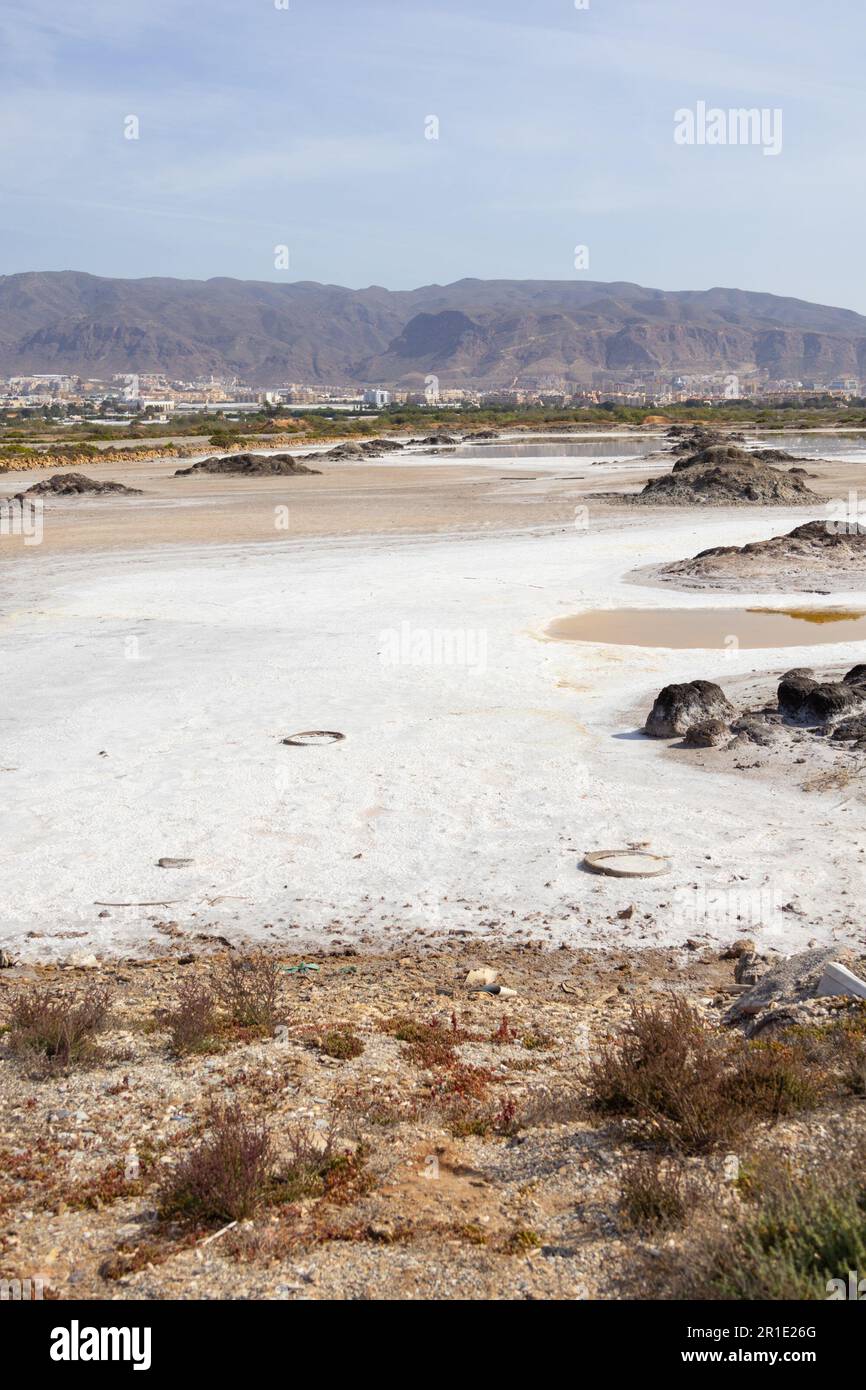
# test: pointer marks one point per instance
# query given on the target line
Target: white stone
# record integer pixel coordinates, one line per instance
(839, 980)
(485, 975)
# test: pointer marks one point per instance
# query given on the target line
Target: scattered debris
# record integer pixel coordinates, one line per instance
(208, 1240)
(173, 903)
(786, 983)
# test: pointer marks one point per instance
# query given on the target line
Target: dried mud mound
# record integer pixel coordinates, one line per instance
(690, 439)
(77, 485)
(721, 474)
(809, 732)
(679, 708)
(724, 475)
(819, 553)
(248, 465)
(353, 451)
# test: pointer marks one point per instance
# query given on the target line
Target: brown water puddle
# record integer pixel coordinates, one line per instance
(711, 627)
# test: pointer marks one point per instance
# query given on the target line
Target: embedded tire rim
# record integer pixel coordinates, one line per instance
(312, 737)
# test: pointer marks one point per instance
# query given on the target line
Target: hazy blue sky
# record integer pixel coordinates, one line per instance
(262, 126)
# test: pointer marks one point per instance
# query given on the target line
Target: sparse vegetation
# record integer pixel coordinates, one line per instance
(466, 1117)
(522, 1240)
(655, 1195)
(774, 1079)
(627, 1151)
(689, 1089)
(192, 1024)
(57, 1028)
(224, 1177)
(342, 1044)
(428, 1045)
(795, 1234)
(315, 1166)
(248, 988)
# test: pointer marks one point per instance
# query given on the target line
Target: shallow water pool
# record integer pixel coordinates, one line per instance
(711, 627)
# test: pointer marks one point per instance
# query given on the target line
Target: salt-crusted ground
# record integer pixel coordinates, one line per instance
(146, 693)
(153, 655)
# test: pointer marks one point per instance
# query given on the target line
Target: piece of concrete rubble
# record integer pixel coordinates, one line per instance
(838, 979)
(749, 968)
(738, 948)
(83, 960)
(484, 975)
(785, 982)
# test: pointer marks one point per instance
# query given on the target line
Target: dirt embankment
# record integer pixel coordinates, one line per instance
(70, 457)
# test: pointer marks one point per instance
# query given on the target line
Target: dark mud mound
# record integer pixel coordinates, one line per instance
(679, 708)
(354, 451)
(691, 438)
(805, 714)
(77, 485)
(818, 556)
(248, 466)
(722, 475)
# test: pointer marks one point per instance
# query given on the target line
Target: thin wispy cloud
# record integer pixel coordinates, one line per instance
(311, 127)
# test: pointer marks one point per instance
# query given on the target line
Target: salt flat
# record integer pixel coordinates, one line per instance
(146, 692)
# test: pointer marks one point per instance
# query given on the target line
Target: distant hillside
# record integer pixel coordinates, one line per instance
(495, 332)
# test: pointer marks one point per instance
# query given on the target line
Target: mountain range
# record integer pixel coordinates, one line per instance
(486, 332)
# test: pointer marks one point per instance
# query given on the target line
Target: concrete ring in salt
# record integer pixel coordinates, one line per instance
(626, 863)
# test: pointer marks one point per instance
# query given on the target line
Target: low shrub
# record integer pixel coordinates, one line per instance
(226, 1176)
(655, 1196)
(58, 1028)
(248, 988)
(192, 1024)
(689, 1089)
(793, 1237)
(342, 1044)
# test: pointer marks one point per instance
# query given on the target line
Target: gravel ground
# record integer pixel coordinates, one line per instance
(514, 1211)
